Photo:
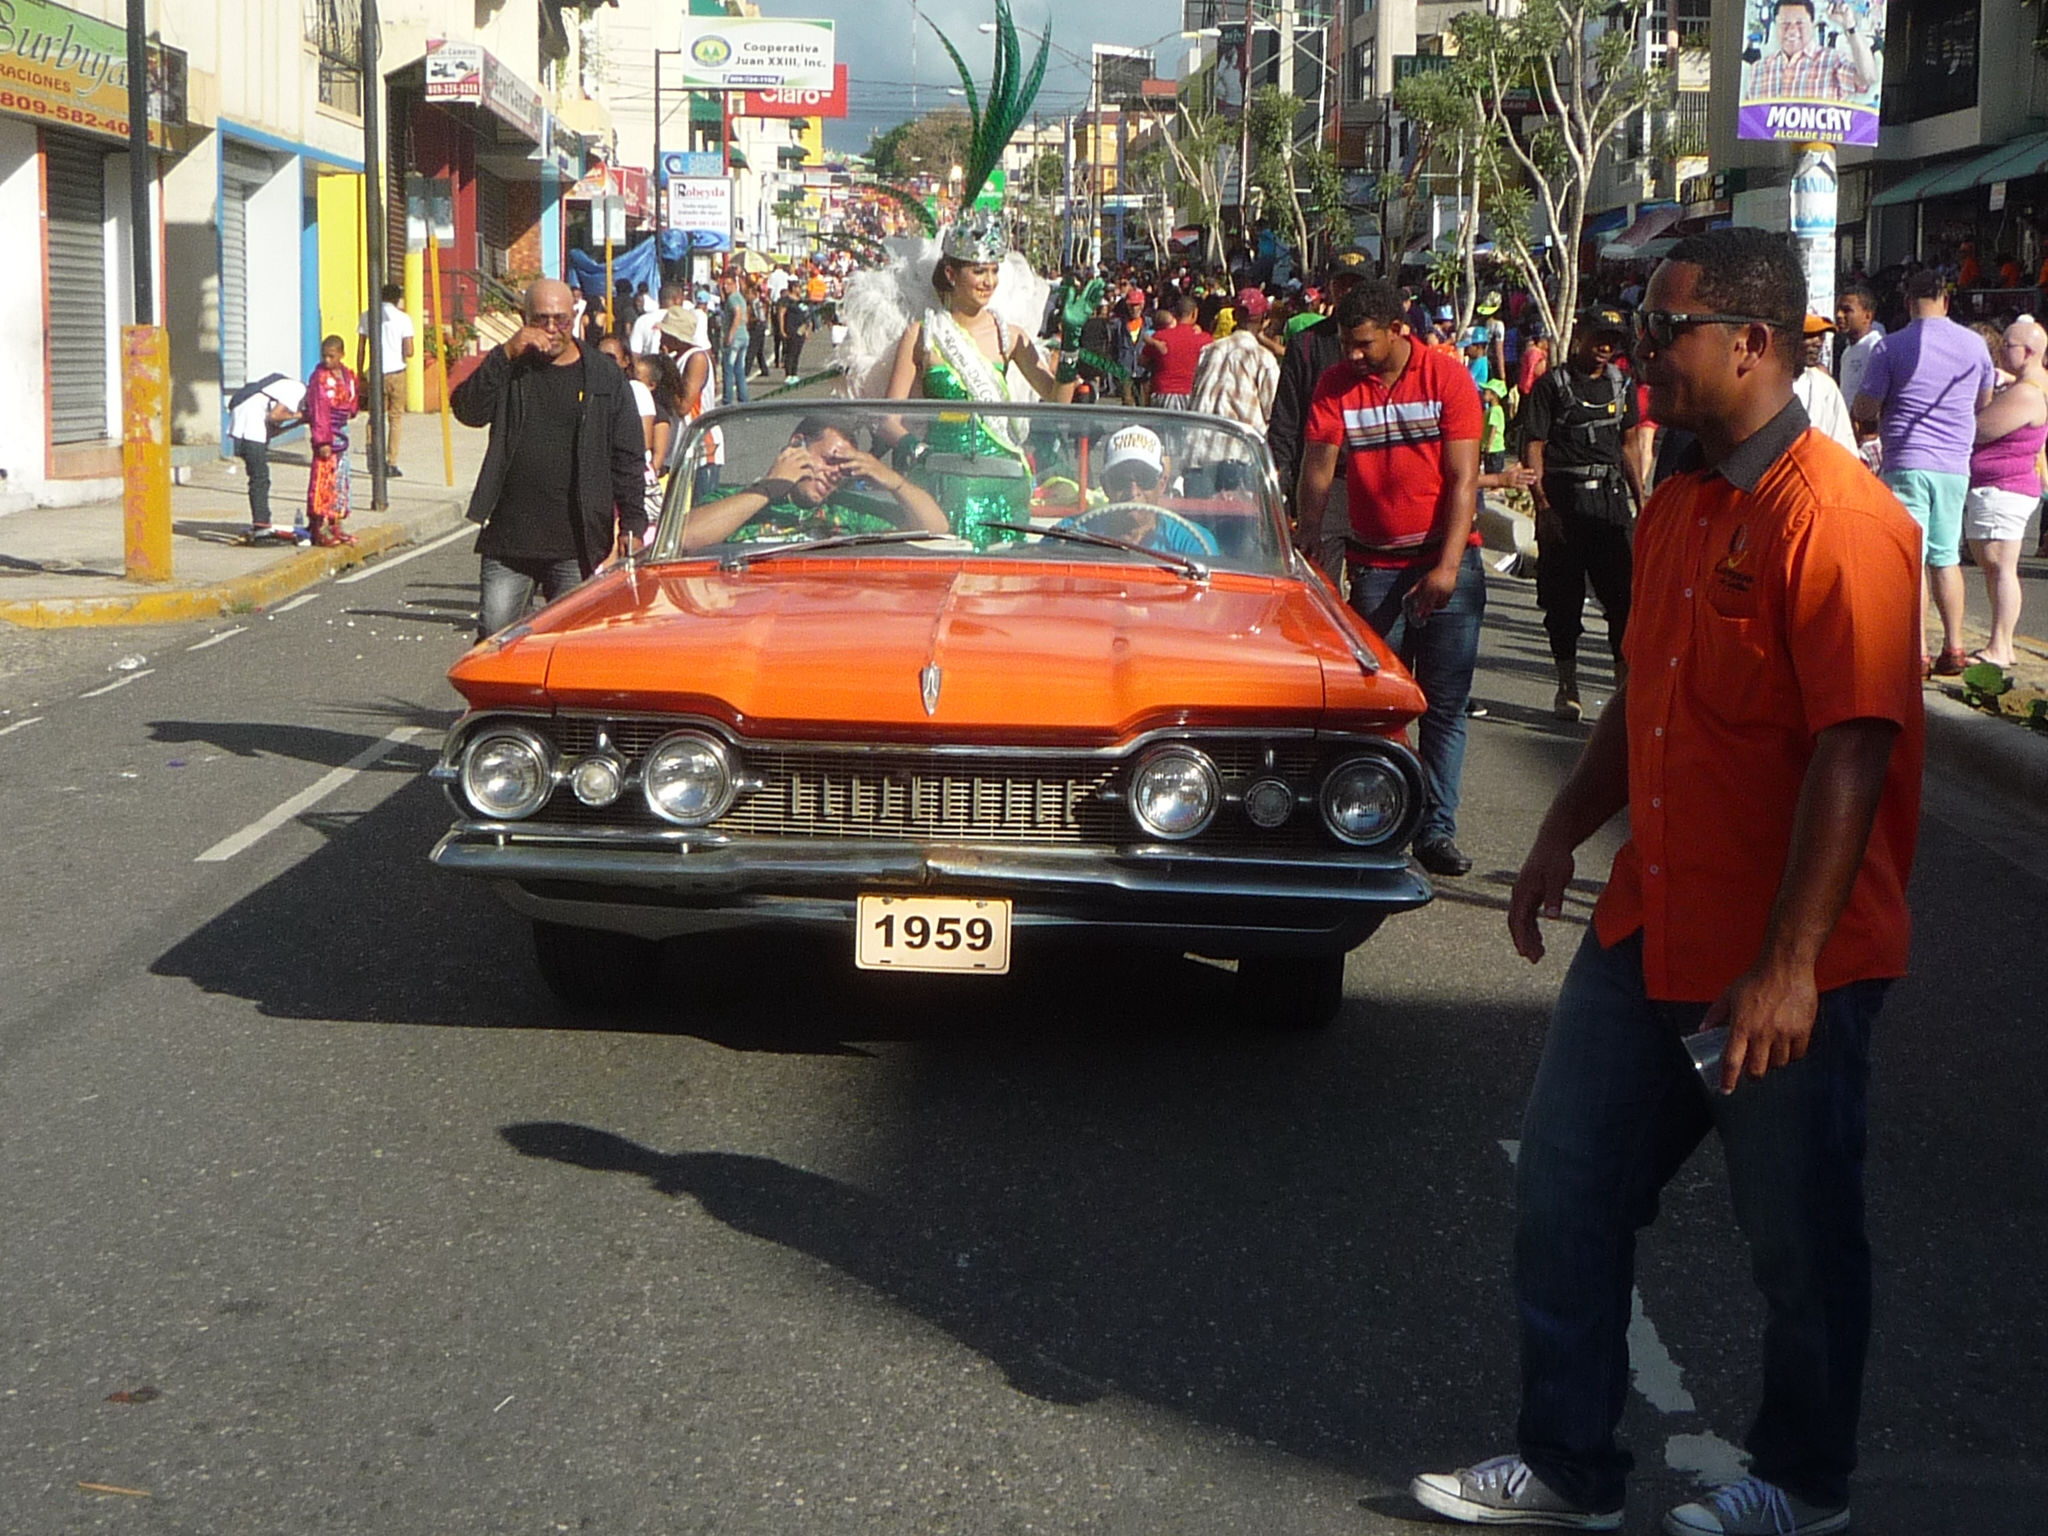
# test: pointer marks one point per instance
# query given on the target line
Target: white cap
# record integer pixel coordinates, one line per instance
(1135, 445)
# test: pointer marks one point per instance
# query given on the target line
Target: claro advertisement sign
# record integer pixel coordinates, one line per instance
(1812, 70)
(756, 53)
(795, 102)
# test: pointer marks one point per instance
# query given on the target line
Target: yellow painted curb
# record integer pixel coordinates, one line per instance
(177, 605)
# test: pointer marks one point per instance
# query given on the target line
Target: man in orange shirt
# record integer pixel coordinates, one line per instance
(1767, 747)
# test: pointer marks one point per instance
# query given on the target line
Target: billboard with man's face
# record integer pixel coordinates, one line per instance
(1812, 70)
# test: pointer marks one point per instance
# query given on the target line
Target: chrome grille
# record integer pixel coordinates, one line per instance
(805, 794)
(1023, 798)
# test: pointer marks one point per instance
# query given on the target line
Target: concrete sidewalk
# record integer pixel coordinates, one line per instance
(61, 566)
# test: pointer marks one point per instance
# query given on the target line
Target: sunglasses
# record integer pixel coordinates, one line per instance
(1662, 326)
(552, 322)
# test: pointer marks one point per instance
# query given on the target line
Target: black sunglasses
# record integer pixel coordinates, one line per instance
(1661, 326)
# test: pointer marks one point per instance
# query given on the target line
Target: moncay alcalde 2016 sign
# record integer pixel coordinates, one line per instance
(1812, 70)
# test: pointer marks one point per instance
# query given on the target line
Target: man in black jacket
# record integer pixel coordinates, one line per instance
(1314, 348)
(566, 463)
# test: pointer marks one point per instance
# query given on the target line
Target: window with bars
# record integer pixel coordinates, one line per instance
(335, 30)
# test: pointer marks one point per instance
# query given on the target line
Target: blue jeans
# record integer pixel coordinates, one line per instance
(1441, 655)
(733, 372)
(507, 588)
(255, 457)
(1615, 1111)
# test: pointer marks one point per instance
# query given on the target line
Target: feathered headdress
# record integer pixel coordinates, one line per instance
(977, 235)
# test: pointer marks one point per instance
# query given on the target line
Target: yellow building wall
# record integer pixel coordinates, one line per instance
(344, 295)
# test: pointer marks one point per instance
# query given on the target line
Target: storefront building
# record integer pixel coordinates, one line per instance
(65, 237)
(478, 143)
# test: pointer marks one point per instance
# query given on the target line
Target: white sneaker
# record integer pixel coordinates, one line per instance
(1504, 1491)
(1754, 1507)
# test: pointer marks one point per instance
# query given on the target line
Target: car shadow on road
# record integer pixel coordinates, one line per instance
(1275, 1237)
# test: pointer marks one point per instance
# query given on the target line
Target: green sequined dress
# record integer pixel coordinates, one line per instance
(977, 477)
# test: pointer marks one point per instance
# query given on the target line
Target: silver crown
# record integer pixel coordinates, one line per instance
(978, 236)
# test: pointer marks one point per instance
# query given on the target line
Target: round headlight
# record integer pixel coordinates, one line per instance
(688, 779)
(1365, 800)
(1268, 803)
(1174, 793)
(507, 775)
(597, 780)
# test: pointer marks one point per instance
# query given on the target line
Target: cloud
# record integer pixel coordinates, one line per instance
(873, 41)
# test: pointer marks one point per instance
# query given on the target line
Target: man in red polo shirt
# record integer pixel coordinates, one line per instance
(1173, 353)
(1767, 749)
(1411, 420)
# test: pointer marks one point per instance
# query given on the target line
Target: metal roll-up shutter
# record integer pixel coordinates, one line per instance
(75, 176)
(493, 223)
(242, 171)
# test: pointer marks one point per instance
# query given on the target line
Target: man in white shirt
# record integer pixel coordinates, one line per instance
(778, 284)
(1857, 336)
(257, 411)
(1815, 390)
(645, 338)
(396, 342)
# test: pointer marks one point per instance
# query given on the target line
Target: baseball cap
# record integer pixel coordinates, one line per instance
(1496, 387)
(1443, 312)
(1252, 303)
(1135, 296)
(1135, 445)
(1818, 325)
(1603, 320)
(1490, 303)
(1311, 295)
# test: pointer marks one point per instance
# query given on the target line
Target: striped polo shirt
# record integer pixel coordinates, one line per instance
(1394, 448)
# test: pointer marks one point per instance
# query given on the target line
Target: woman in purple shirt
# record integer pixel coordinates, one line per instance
(2005, 479)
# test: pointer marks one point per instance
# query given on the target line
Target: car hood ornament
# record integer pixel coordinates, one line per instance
(928, 681)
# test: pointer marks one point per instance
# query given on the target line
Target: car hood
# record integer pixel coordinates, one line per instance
(846, 648)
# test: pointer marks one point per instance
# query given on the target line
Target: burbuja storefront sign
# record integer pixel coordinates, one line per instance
(70, 70)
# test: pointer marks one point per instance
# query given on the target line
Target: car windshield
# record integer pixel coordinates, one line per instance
(924, 479)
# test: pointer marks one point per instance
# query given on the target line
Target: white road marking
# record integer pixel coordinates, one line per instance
(386, 565)
(119, 682)
(9, 730)
(305, 799)
(1651, 1369)
(226, 634)
(298, 602)
(1660, 1383)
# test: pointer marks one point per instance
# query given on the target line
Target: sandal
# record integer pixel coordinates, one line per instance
(1950, 663)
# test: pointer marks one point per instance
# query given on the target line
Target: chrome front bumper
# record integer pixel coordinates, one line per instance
(1166, 896)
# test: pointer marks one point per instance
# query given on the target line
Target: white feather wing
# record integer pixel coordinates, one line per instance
(877, 306)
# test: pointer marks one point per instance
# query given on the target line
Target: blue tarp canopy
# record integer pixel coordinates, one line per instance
(639, 264)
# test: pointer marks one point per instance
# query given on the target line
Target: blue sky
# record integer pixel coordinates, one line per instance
(872, 37)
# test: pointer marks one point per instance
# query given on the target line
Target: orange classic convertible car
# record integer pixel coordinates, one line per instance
(953, 681)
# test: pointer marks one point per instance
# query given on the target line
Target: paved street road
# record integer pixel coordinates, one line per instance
(320, 1216)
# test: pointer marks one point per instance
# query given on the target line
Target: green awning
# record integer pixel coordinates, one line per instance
(2024, 156)
(1910, 190)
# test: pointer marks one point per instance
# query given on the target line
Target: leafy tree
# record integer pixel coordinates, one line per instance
(1454, 133)
(928, 146)
(1195, 138)
(1580, 60)
(1271, 113)
(1046, 175)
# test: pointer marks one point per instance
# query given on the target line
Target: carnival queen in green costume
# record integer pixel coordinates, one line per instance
(961, 348)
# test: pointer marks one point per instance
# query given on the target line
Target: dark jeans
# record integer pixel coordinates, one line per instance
(1572, 548)
(255, 459)
(1616, 1110)
(1441, 655)
(508, 588)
